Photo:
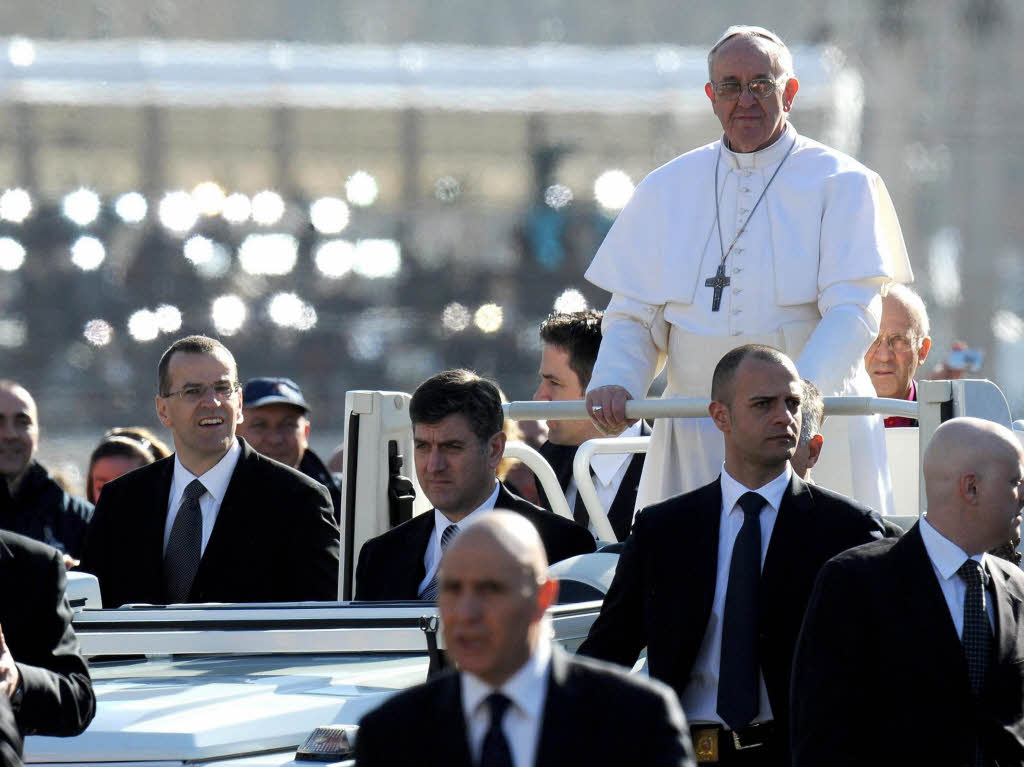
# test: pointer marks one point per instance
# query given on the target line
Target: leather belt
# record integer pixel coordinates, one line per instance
(713, 741)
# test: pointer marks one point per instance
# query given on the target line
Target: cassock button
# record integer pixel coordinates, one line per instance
(737, 269)
(737, 291)
(737, 332)
(745, 190)
(737, 311)
(743, 210)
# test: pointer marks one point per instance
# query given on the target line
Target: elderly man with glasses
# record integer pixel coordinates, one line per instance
(217, 521)
(764, 237)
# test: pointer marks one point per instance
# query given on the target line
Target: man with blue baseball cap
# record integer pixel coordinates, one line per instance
(276, 423)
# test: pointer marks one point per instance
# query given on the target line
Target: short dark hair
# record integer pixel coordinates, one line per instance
(189, 345)
(459, 391)
(579, 333)
(725, 370)
(812, 412)
(121, 447)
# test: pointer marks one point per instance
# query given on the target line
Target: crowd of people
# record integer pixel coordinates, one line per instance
(764, 270)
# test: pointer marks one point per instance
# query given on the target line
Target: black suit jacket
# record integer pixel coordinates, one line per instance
(274, 540)
(621, 512)
(853, 706)
(593, 714)
(391, 565)
(57, 697)
(664, 585)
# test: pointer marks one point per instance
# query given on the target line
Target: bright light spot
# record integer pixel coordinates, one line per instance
(455, 318)
(557, 196)
(15, 205)
(447, 189)
(489, 318)
(377, 258)
(198, 249)
(361, 189)
(1007, 326)
(228, 314)
(210, 258)
(329, 215)
(168, 318)
(944, 266)
(290, 311)
(87, 253)
(267, 208)
(21, 52)
(613, 189)
(131, 208)
(12, 254)
(98, 332)
(82, 206)
(178, 211)
(209, 198)
(335, 258)
(236, 208)
(571, 300)
(268, 253)
(143, 325)
(13, 333)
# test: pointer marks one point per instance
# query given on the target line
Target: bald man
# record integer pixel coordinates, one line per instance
(951, 615)
(516, 699)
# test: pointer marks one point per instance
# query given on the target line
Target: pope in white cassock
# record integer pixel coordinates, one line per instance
(762, 237)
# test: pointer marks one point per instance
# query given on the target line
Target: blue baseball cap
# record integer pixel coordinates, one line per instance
(270, 391)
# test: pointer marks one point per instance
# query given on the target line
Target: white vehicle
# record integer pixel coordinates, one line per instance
(247, 685)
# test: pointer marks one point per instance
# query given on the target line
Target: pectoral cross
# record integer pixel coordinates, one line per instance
(717, 282)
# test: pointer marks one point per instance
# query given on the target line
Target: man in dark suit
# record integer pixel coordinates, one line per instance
(951, 691)
(42, 673)
(458, 443)
(516, 699)
(714, 582)
(570, 345)
(217, 521)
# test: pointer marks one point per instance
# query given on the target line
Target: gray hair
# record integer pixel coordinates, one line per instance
(812, 412)
(766, 40)
(915, 307)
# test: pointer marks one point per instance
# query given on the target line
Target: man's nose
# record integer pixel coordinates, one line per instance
(882, 350)
(746, 98)
(542, 395)
(435, 461)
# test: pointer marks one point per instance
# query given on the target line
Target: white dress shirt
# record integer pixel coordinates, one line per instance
(432, 556)
(215, 480)
(609, 471)
(946, 559)
(700, 698)
(527, 689)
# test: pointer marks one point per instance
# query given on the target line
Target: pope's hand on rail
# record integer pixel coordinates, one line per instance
(607, 408)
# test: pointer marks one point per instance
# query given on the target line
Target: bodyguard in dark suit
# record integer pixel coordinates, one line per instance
(714, 582)
(458, 443)
(570, 345)
(42, 672)
(516, 700)
(912, 650)
(217, 521)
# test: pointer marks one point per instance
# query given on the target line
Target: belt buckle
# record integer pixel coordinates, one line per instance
(705, 745)
(737, 741)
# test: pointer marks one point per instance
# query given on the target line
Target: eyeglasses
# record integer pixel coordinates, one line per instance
(193, 394)
(898, 343)
(730, 90)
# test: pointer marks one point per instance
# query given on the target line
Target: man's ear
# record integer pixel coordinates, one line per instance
(814, 450)
(496, 449)
(547, 595)
(719, 413)
(968, 488)
(161, 411)
(708, 90)
(922, 353)
(789, 93)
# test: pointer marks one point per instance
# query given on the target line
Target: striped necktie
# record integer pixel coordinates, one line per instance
(429, 593)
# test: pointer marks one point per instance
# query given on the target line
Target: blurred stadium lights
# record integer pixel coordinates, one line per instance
(87, 253)
(178, 212)
(15, 205)
(377, 259)
(335, 258)
(143, 325)
(267, 208)
(210, 258)
(557, 196)
(236, 208)
(1007, 326)
(228, 314)
(289, 311)
(82, 206)
(209, 198)
(12, 254)
(570, 300)
(98, 332)
(21, 52)
(361, 189)
(13, 332)
(131, 208)
(455, 318)
(329, 215)
(168, 318)
(613, 189)
(269, 254)
(489, 318)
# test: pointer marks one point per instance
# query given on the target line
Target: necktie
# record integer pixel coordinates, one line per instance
(429, 593)
(184, 547)
(977, 637)
(738, 686)
(495, 751)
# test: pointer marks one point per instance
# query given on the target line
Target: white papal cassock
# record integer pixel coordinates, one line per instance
(806, 277)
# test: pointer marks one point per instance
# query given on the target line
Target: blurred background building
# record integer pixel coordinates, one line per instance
(359, 194)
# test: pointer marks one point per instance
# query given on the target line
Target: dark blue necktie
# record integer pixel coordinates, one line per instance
(977, 636)
(495, 751)
(738, 681)
(185, 544)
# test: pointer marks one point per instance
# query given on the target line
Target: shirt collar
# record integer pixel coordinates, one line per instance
(607, 465)
(772, 491)
(525, 688)
(762, 158)
(216, 478)
(944, 554)
(441, 521)
(912, 396)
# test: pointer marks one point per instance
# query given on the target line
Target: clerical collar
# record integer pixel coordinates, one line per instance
(762, 158)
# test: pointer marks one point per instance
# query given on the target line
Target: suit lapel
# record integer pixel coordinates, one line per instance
(151, 535)
(693, 561)
(231, 529)
(789, 542)
(1008, 616)
(621, 512)
(450, 742)
(561, 715)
